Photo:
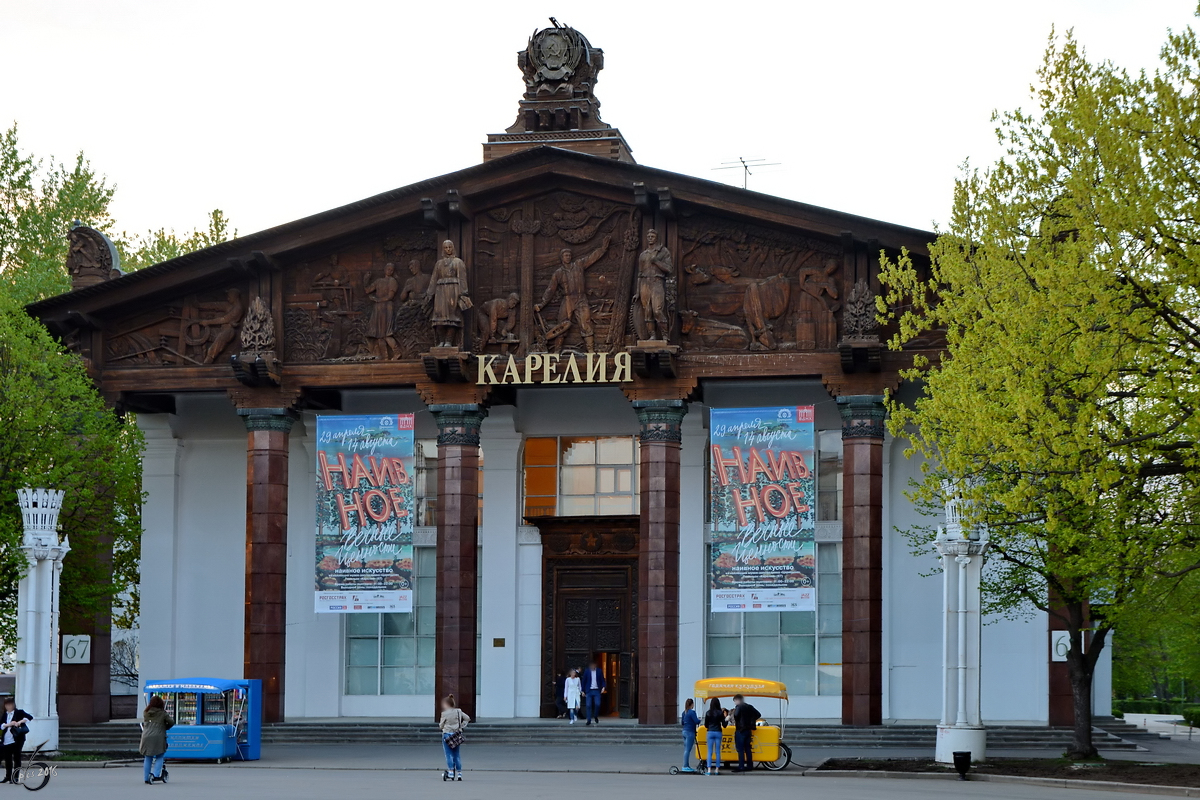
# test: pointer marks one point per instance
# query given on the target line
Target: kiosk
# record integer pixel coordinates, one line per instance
(215, 719)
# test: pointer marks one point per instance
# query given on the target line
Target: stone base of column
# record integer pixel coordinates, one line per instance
(952, 738)
(42, 730)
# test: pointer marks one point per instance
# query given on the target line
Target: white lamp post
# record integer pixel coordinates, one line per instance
(962, 551)
(37, 614)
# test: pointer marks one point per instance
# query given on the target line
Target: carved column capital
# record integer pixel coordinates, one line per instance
(458, 423)
(863, 416)
(268, 419)
(661, 420)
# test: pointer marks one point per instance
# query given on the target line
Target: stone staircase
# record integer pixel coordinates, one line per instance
(123, 736)
(1125, 730)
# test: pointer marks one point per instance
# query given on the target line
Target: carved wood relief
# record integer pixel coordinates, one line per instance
(749, 287)
(201, 329)
(361, 302)
(555, 273)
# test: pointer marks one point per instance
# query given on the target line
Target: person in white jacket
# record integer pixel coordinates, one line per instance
(572, 693)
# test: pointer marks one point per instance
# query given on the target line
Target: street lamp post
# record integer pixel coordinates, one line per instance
(962, 551)
(37, 614)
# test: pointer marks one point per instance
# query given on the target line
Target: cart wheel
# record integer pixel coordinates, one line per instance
(674, 770)
(785, 758)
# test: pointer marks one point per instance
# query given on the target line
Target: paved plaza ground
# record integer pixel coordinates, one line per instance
(499, 772)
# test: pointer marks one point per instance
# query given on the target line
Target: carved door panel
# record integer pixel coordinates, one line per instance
(594, 622)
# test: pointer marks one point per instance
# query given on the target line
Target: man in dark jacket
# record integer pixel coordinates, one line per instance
(12, 725)
(594, 688)
(745, 718)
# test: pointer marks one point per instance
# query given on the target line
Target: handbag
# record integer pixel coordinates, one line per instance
(454, 740)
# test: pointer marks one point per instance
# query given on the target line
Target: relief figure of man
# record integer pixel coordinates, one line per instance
(654, 267)
(570, 279)
(381, 325)
(224, 326)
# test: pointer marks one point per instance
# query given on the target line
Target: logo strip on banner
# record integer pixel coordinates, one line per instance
(763, 510)
(365, 514)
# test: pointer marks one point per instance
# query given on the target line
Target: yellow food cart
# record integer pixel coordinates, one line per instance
(769, 750)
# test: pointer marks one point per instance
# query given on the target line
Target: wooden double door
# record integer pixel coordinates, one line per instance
(590, 606)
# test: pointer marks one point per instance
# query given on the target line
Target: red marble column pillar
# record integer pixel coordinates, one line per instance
(266, 551)
(457, 543)
(658, 561)
(862, 559)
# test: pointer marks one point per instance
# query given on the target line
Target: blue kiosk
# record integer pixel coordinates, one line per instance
(215, 719)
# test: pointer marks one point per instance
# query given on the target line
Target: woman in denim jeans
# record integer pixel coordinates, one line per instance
(714, 724)
(155, 724)
(689, 722)
(454, 720)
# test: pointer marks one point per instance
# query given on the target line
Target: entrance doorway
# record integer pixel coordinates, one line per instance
(589, 574)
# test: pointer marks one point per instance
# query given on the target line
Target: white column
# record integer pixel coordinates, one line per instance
(501, 447)
(160, 482)
(962, 553)
(37, 680)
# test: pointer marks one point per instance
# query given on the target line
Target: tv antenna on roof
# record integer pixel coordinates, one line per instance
(745, 165)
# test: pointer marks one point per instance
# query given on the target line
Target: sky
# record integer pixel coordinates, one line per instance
(272, 111)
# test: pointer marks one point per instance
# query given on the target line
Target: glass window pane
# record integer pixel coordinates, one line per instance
(799, 650)
(724, 650)
(578, 506)
(614, 450)
(362, 680)
(578, 480)
(540, 481)
(399, 651)
(798, 622)
(363, 653)
(625, 480)
(540, 507)
(426, 561)
(426, 650)
(541, 451)
(829, 558)
(427, 620)
(398, 624)
(616, 504)
(362, 624)
(830, 618)
(762, 622)
(799, 680)
(606, 480)
(725, 623)
(829, 589)
(762, 651)
(830, 680)
(425, 680)
(426, 592)
(762, 673)
(399, 680)
(578, 451)
(830, 651)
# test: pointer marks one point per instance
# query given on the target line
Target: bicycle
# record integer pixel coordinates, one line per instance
(34, 774)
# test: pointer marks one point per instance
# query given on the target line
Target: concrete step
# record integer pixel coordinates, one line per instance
(117, 736)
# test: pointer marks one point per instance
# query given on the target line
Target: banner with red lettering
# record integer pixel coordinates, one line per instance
(365, 509)
(763, 508)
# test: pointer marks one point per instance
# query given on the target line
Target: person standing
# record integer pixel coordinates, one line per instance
(155, 724)
(689, 722)
(745, 718)
(452, 724)
(572, 692)
(714, 726)
(594, 688)
(12, 723)
(560, 697)
(448, 290)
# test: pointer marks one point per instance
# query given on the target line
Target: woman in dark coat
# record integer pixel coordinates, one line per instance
(155, 724)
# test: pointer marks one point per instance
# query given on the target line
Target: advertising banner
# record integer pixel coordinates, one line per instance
(365, 513)
(763, 509)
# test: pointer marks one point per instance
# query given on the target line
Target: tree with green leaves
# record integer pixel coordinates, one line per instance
(57, 431)
(1065, 405)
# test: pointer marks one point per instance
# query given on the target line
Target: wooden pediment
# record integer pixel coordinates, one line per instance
(561, 253)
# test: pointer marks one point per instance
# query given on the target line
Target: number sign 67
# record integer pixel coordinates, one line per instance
(76, 649)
